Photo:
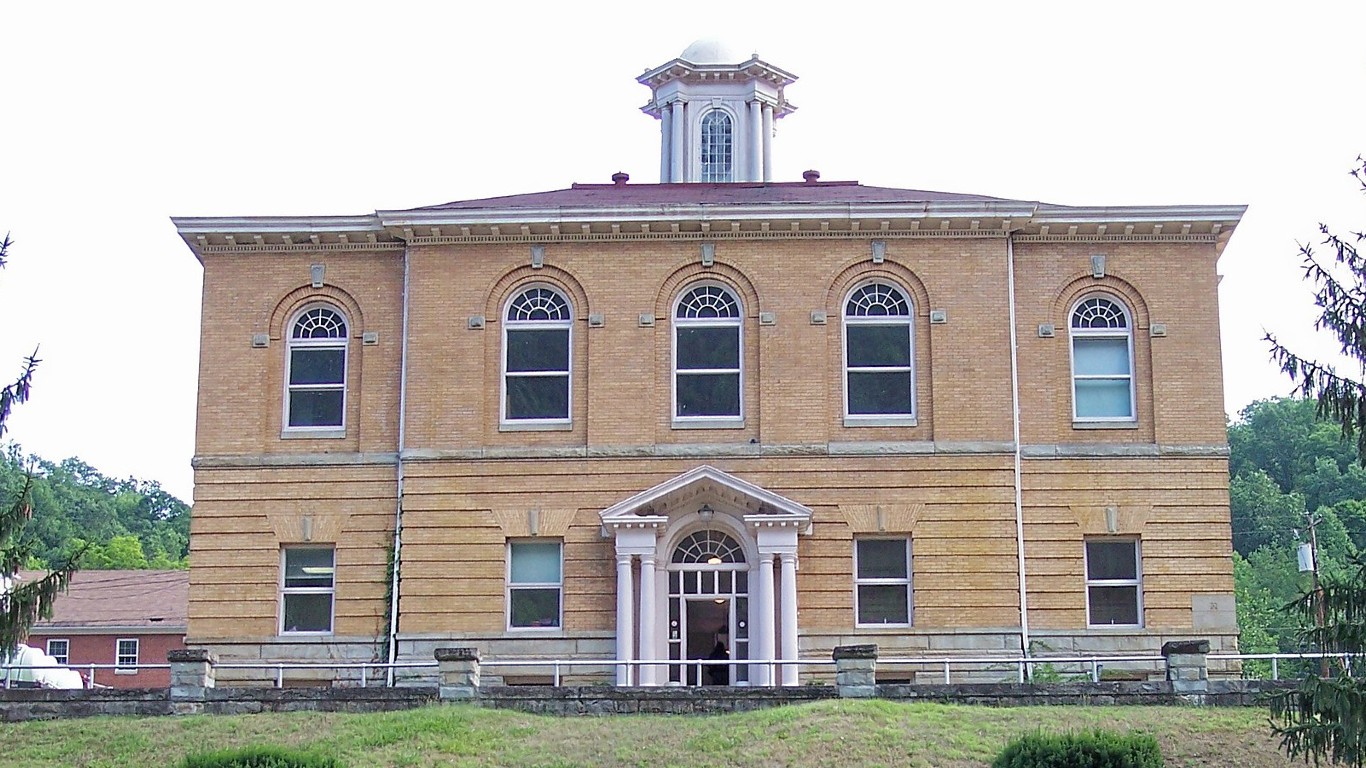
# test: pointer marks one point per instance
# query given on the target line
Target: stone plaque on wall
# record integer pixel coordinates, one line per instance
(1214, 613)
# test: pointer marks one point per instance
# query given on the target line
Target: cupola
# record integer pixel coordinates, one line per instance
(716, 109)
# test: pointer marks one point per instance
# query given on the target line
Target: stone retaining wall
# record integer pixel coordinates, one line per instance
(194, 690)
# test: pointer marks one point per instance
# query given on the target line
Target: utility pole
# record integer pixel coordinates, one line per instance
(1318, 589)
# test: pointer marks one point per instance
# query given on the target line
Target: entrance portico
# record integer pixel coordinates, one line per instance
(708, 544)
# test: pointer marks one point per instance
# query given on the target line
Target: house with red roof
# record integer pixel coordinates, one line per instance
(119, 619)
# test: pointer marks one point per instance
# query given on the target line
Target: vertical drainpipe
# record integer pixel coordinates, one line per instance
(398, 464)
(1015, 425)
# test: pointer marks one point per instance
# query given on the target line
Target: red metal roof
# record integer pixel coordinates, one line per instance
(742, 193)
(151, 599)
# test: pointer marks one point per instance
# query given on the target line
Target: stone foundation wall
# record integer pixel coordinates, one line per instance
(37, 704)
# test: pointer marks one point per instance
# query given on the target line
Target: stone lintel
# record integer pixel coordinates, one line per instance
(1178, 647)
(457, 654)
(867, 651)
(191, 656)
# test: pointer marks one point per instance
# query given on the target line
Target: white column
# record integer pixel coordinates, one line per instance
(646, 675)
(624, 609)
(788, 616)
(665, 137)
(754, 151)
(766, 639)
(676, 143)
(768, 142)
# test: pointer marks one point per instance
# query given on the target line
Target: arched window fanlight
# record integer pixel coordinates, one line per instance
(711, 547)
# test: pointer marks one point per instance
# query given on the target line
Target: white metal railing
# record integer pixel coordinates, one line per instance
(1345, 659)
(1025, 667)
(279, 667)
(631, 667)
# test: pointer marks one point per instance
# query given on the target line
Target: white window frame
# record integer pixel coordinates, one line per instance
(330, 591)
(1127, 333)
(64, 657)
(509, 587)
(121, 665)
(1136, 582)
(291, 344)
(738, 323)
(861, 582)
(534, 325)
(702, 146)
(879, 419)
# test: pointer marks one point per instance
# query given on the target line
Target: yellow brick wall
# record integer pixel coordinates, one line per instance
(964, 566)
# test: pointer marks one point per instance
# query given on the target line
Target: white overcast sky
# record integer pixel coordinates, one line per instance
(116, 116)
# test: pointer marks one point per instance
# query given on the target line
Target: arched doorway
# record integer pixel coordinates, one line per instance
(708, 610)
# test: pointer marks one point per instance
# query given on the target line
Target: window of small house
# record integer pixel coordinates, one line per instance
(126, 655)
(59, 650)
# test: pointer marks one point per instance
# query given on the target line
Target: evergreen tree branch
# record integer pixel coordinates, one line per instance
(17, 392)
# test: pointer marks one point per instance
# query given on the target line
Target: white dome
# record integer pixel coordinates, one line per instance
(711, 51)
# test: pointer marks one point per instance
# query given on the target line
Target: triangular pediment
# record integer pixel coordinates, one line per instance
(707, 482)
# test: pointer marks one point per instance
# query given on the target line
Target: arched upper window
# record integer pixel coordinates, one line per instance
(315, 397)
(707, 367)
(878, 360)
(709, 547)
(536, 335)
(1102, 361)
(718, 147)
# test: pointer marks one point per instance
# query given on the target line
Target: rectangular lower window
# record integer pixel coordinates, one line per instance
(1114, 583)
(882, 582)
(535, 579)
(126, 655)
(59, 650)
(307, 589)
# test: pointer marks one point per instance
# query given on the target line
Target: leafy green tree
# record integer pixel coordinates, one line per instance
(73, 501)
(23, 602)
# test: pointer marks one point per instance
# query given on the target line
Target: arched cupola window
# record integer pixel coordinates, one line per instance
(315, 362)
(878, 360)
(536, 357)
(707, 367)
(1102, 361)
(718, 147)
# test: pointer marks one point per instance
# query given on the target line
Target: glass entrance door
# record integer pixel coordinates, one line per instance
(708, 621)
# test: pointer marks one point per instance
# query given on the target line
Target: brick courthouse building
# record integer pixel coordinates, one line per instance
(634, 421)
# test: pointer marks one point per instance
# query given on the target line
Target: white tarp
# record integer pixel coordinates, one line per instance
(44, 670)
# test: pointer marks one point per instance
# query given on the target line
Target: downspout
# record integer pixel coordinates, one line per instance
(1015, 426)
(398, 464)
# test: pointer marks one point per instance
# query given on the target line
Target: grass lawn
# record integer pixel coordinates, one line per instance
(832, 733)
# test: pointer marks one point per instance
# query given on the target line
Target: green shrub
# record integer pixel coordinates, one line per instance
(1097, 749)
(260, 757)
